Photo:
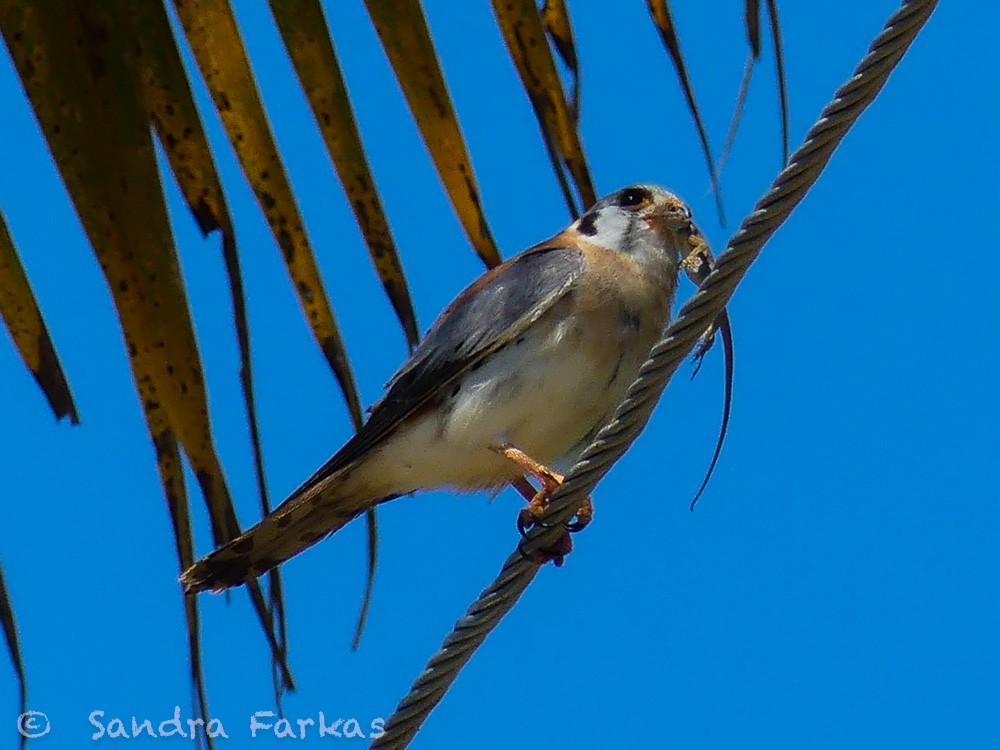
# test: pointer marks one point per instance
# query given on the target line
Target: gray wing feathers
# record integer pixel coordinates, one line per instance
(489, 313)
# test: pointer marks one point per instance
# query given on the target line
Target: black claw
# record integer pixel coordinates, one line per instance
(524, 522)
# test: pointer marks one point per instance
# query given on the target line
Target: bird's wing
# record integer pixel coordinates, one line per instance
(496, 308)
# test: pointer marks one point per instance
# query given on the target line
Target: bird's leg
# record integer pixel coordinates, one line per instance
(538, 499)
(549, 479)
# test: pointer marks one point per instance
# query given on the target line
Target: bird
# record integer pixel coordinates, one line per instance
(513, 380)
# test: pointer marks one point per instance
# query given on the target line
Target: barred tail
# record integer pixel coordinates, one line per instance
(292, 527)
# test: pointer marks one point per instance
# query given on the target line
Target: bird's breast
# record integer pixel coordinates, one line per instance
(544, 391)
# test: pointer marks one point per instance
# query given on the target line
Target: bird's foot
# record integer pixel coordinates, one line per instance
(563, 545)
(532, 514)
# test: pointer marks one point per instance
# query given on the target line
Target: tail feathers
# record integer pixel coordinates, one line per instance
(294, 526)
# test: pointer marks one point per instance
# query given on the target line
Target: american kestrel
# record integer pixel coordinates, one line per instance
(514, 379)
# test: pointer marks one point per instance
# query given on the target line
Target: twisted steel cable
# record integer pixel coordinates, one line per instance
(788, 188)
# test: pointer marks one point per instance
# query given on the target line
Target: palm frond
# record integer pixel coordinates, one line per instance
(9, 627)
(23, 318)
(79, 91)
(664, 21)
(555, 18)
(524, 34)
(779, 66)
(178, 126)
(306, 36)
(402, 29)
(215, 41)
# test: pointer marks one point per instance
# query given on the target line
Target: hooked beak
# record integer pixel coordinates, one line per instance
(672, 217)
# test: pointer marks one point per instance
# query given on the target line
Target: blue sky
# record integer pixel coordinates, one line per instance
(837, 584)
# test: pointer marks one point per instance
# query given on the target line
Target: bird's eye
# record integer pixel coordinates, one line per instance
(635, 198)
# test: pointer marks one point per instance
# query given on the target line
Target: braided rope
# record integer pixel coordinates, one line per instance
(789, 187)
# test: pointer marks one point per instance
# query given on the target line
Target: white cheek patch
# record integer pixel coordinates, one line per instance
(611, 226)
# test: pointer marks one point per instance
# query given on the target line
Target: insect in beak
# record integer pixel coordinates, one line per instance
(674, 217)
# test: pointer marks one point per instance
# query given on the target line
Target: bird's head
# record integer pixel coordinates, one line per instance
(639, 220)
